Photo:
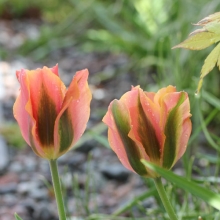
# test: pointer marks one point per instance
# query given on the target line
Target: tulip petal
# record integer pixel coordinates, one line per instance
(46, 95)
(118, 120)
(73, 117)
(150, 95)
(175, 107)
(20, 114)
(145, 123)
(185, 132)
(159, 96)
(55, 69)
(23, 112)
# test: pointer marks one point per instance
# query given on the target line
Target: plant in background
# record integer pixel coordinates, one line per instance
(51, 117)
(202, 38)
(151, 126)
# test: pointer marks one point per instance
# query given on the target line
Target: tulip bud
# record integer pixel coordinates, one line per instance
(150, 126)
(51, 117)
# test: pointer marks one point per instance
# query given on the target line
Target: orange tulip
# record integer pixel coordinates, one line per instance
(150, 126)
(51, 117)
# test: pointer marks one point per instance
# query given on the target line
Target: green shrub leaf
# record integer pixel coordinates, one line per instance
(202, 38)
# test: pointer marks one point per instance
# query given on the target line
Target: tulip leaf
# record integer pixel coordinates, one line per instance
(17, 217)
(202, 38)
(212, 198)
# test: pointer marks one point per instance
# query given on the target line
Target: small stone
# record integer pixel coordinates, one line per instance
(4, 157)
(8, 188)
(30, 206)
(116, 172)
(30, 164)
(9, 199)
(44, 212)
(28, 187)
(39, 194)
(16, 167)
(76, 160)
(86, 147)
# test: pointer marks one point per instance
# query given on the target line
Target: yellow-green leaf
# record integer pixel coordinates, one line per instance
(218, 62)
(199, 40)
(210, 18)
(199, 86)
(210, 61)
(209, 64)
(202, 38)
(214, 27)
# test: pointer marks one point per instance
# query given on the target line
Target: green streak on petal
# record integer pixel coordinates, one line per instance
(147, 135)
(171, 133)
(122, 122)
(45, 120)
(65, 131)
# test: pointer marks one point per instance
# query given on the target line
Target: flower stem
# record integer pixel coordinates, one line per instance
(165, 199)
(57, 189)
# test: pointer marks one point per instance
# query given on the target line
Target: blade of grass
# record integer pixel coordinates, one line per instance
(206, 132)
(17, 217)
(211, 99)
(133, 202)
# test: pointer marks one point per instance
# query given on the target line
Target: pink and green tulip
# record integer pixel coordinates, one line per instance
(152, 126)
(51, 117)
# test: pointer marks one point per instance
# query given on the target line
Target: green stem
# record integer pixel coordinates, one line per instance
(165, 199)
(57, 189)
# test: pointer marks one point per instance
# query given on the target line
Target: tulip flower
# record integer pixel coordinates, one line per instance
(51, 117)
(150, 126)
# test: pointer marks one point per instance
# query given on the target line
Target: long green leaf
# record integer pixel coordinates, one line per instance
(207, 133)
(17, 217)
(206, 195)
(211, 99)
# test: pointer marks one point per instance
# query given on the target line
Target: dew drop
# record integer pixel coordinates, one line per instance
(197, 94)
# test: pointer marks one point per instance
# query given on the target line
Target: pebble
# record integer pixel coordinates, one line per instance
(16, 167)
(8, 188)
(44, 211)
(31, 188)
(76, 160)
(86, 147)
(4, 156)
(115, 172)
